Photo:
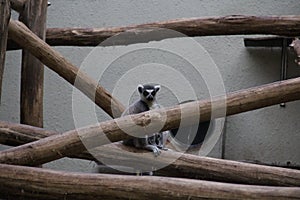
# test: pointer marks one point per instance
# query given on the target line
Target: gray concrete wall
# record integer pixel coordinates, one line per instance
(269, 135)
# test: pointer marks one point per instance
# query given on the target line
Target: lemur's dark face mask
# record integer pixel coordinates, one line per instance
(149, 95)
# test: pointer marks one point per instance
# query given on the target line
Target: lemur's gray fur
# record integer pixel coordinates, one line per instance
(147, 102)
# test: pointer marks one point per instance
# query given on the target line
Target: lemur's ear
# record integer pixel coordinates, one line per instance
(140, 88)
(157, 87)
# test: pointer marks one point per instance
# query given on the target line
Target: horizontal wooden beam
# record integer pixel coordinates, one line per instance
(228, 25)
(205, 26)
(55, 61)
(34, 183)
(185, 166)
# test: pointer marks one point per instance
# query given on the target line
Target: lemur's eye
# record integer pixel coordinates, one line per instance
(145, 93)
(153, 93)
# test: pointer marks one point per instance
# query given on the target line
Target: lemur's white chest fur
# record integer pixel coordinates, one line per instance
(153, 105)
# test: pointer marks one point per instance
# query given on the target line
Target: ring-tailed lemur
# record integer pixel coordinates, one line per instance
(147, 102)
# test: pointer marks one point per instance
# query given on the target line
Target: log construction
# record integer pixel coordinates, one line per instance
(36, 146)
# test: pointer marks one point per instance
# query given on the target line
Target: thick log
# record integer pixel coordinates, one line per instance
(33, 183)
(209, 26)
(228, 25)
(187, 166)
(70, 143)
(55, 61)
(18, 5)
(4, 20)
(32, 74)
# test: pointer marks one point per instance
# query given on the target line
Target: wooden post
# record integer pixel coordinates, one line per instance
(32, 77)
(33, 183)
(4, 20)
(55, 61)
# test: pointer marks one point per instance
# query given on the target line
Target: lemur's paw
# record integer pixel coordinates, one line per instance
(156, 152)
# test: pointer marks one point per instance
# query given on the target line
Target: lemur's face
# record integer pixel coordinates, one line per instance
(148, 91)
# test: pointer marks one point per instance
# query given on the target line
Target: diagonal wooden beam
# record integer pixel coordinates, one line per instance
(55, 61)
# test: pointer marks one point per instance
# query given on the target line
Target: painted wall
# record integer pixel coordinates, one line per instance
(269, 135)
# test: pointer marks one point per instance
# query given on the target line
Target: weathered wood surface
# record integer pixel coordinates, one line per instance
(228, 25)
(34, 17)
(34, 183)
(69, 143)
(206, 26)
(55, 61)
(179, 165)
(4, 20)
(18, 5)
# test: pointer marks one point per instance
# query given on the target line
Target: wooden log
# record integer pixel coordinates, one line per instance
(55, 61)
(4, 20)
(32, 74)
(34, 183)
(207, 26)
(296, 46)
(18, 5)
(185, 166)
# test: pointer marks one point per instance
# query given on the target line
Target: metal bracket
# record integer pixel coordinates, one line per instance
(282, 42)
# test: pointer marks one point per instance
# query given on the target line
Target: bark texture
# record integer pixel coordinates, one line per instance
(32, 75)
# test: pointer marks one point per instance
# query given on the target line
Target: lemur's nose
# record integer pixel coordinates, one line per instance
(150, 98)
